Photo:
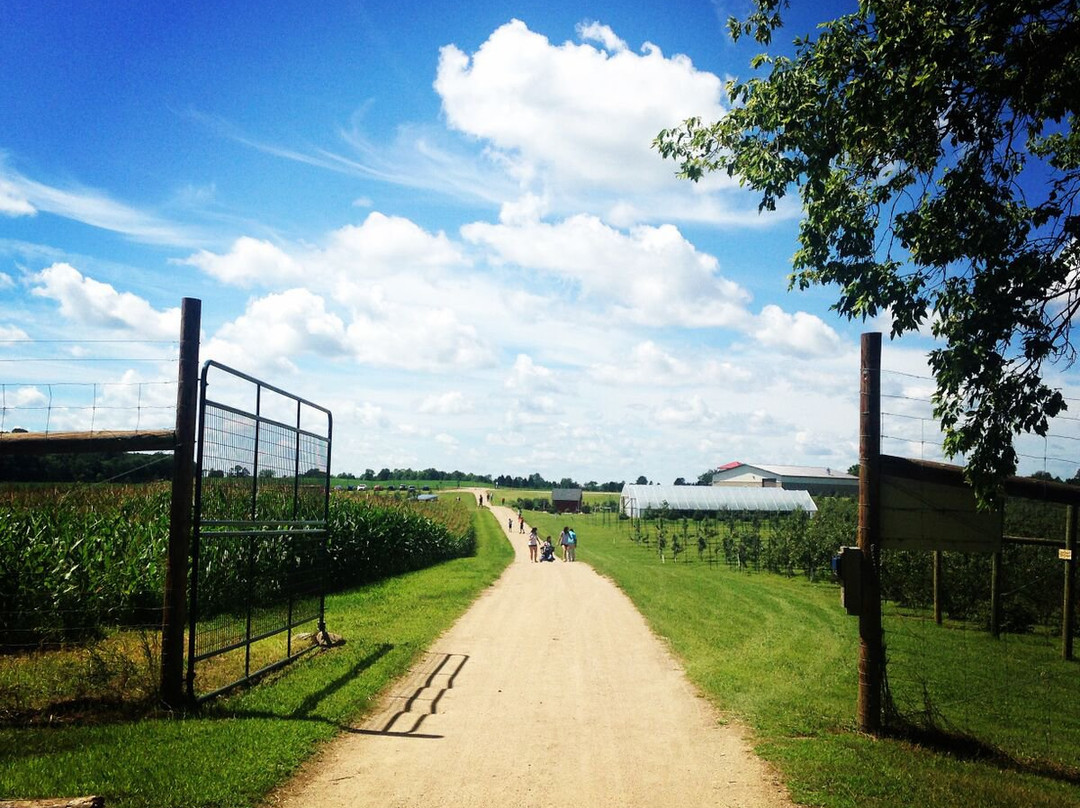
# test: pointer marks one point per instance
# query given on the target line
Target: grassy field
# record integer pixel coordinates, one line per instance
(775, 653)
(779, 654)
(233, 752)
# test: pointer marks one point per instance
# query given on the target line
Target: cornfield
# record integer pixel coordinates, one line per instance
(77, 560)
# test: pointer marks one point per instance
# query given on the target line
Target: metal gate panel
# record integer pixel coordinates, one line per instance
(258, 558)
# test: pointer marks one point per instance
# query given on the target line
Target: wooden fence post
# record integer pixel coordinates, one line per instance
(1068, 609)
(938, 586)
(176, 570)
(871, 652)
(995, 593)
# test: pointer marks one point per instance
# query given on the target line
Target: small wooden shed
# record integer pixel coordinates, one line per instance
(567, 500)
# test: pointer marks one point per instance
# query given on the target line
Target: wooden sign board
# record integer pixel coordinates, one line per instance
(920, 515)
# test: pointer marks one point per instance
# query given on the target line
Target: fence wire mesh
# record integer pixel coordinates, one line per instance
(259, 560)
(986, 681)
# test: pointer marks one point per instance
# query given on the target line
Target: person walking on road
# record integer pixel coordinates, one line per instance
(569, 544)
(534, 543)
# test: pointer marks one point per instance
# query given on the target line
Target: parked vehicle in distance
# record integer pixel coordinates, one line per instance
(361, 487)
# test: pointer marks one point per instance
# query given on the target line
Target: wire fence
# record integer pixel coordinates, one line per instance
(82, 536)
(909, 429)
(1008, 694)
(49, 386)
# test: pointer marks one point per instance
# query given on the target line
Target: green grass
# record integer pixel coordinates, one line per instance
(234, 751)
(779, 654)
(776, 653)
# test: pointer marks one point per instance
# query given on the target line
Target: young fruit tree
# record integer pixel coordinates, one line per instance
(934, 152)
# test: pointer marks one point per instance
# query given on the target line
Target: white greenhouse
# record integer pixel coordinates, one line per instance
(635, 500)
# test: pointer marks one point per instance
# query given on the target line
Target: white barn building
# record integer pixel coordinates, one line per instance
(818, 481)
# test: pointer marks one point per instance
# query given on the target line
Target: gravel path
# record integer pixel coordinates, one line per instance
(550, 691)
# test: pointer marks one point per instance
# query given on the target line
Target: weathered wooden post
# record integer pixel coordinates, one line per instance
(176, 570)
(871, 652)
(1068, 608)
(995, 593)
(938, 584)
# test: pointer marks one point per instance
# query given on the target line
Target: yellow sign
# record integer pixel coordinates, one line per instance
(1065, 555)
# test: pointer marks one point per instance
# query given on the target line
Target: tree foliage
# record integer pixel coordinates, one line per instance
(933, 150)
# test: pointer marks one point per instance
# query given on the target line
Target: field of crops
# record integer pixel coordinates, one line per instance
(82, 577)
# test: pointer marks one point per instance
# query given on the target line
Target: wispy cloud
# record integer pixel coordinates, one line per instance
(20, 195)
(420, 157)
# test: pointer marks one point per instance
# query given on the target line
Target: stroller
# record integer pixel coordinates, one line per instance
(547, 552)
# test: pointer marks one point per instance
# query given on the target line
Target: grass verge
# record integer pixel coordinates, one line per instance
(779, 654)
(233, 752)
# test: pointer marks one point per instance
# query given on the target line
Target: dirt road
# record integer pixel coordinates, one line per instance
(550, 691)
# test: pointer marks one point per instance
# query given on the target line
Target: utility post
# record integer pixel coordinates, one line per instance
(871, 651)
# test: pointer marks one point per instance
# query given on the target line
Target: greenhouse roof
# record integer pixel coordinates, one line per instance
(638, 498)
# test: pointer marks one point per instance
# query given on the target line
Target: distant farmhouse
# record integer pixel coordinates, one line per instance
(817, 481)
(567, 500)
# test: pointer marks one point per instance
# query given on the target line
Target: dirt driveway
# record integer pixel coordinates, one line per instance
(550, 691)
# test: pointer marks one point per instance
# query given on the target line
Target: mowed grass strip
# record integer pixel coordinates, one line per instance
(234, 751)
(779, 654)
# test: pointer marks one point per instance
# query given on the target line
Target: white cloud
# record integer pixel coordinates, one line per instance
(799, 333)
(452, 402)
(6, 281)
(20, 195)
(10, 332)
(649, 275)
(649, 364)
(84, 300)
(418, 339)
(531, 411)
(13, 202)
(277, 329)
(692, 411)
(369, 415)
(387, 245)
(26, 397)
(596, 32)
(575, 120)
(393, 288)
(529, 377)
(250, 262)
(382, 246)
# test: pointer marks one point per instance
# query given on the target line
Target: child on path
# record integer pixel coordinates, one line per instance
(547, 552)
(534, 543)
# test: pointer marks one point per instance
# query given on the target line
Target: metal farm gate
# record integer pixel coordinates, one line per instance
(258, 551)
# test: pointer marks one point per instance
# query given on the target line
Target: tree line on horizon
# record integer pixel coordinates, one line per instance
(133, 467)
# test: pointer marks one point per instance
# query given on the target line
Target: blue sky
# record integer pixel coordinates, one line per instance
(442, 221)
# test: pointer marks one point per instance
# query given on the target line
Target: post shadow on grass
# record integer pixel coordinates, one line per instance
(312, 700)
(927, 732)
